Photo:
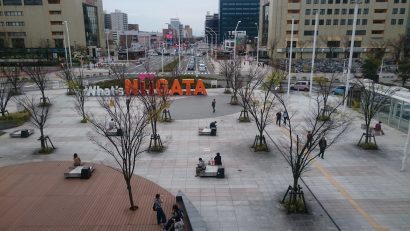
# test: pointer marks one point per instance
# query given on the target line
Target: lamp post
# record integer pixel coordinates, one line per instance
(211, 40)
(290, 55)
(234, 42)
(257, 44)
(126, 45)
(108, 47)
(68, 41)
(349, 67)
(162, 57)
(65, 52)
(179, 46)
(313, 55)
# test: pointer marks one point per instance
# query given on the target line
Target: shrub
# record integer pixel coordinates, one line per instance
(260, 148)
(368, 146)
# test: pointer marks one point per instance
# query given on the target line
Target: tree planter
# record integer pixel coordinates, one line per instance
(294, 200)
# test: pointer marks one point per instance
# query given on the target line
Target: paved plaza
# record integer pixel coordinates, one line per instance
(351, 189)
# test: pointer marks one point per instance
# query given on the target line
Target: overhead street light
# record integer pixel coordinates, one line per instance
(257, 45)
(234, 42)
(69, 44)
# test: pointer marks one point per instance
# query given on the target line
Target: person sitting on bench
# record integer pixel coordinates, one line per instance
(77, 160)
(218, 159)
(212, 126)
(111, 124)
(200, 167)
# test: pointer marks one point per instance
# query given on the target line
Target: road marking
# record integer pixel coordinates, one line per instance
(344, 193)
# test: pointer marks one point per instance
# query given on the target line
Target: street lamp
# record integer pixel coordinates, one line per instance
(179, 46)
(65, 52)
(126, 44)
(68, 41)
(216, 36)
(257, 45)
(349, 67)
(234, 42)
(108, 47)
(209, 32)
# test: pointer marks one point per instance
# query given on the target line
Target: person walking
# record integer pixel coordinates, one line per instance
(322, 147)
(213, 105)
(278, 118)
(161, 219)
(285, 117)
(218, 159)
(309, 138)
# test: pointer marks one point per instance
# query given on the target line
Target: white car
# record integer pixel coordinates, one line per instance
(202, 67)
(301, 86)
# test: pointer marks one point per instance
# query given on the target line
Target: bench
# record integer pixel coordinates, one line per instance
(192, 219)
(22, 133)
(206, 132)
(217, 171)
(83, 171)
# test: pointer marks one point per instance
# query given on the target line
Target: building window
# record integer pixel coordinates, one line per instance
(400, 22)
(56, 22)
(359, 11)
(329, 1)
(344, 11)
(351, 11)
(16, 34)
(382, 0)
(396, 1)
(14, 23)
(293, 11)
(377, 31)
(91, 25)
(308, 32)
(337, 11)
(307, 22)
(322, 11)
(295, 22)
(350, 22)
(57, 33)
(395, 10)
(307, 11)
(54, 12)
(294, 32)
(393, 22)
(367, 1)
(12, 2)
(322, 1)
(379, 21)
(289, 1)
(315, 1)
(321, 21)
(365, 10)
(403, 1)
(335, 22)
(344, 1)
(364, 21)
(380, 11)
(358, 32)
(308, 1)
(342, 21)
(328, 22)
(402, 10)
(337, 1)
(329, 11)
(53, 1)
(33, 2)
(13, 13)
(17, 43)
(314, 11)
(313, 22)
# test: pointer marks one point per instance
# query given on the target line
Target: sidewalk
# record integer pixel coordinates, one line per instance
(361, 190)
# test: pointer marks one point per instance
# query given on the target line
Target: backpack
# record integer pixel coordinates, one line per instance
(154, 207)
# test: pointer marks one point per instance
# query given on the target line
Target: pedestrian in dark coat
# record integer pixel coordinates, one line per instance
(322, 147)
(213, 105)
(278, 118)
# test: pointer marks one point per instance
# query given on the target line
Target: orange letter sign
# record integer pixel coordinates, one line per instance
(187, 83)
(176, 88)
(200, 88)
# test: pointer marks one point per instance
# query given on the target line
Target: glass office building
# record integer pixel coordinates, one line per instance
(232, 11)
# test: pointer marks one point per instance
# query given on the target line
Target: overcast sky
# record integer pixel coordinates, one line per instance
(151, 15)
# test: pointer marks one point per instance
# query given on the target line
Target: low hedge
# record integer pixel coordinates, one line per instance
(14, 119)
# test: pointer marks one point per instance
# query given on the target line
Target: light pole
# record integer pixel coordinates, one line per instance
(211, 39)
(179, 46)
(234, 42)
(65, 52)
(108, 47)
(257, 45)
(313, 55)
(126, 45)
(290, 55)
(216, 36)
(68, 41)
(162, 57)
(349, 67)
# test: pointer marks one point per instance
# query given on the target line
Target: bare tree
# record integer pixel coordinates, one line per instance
(373, 97)
(132, 119)
(6, 92)
(325, 89)
(234, 79)
(38, 116)
(13, 77)
(119, 72)
(226, 70)
(404, 72)
(260, 103)
(300, 151)
(67, 75)
(80, 95)
(154, 106)
(38, 75)
(399, 45)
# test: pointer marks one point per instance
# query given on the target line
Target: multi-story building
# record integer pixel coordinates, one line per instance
(178, 27)
(211, 25)
(187, 32)
(119, 21)
(107, 21)
(41, 24)
(378, 23)
(232, 11)
(264, 16)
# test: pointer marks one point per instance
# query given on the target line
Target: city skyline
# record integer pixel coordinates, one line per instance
(151, 17)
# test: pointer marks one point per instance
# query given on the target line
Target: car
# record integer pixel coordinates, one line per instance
(202, 67)
(301, 86)
(340, 90)
(191, 67)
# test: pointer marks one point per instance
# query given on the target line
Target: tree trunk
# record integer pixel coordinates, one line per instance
(260, 138)
(132, 207)
(3, 112)
(367, 138)
(295, 188)
(44, 97)
(42, 140)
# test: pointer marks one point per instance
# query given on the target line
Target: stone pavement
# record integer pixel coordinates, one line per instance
(361, 190)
